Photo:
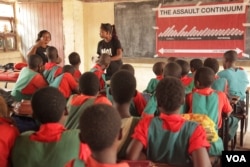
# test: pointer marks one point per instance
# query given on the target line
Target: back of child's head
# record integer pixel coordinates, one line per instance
(68, 68)
(195, 64)
(230, 56)
(172, 69)
(89, 84)
(104, 59)
(204, 77)
(52, 53)
(158, 68)
(74, 58)
(122, 85)
(100, 125)
(212, 63)
(170, 94)
(184, 66)
(171, 59)
(34, 61)
(128, 67)
(3, 107)
(48, 105)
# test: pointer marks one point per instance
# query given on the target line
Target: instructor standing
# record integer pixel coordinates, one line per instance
(111, 45)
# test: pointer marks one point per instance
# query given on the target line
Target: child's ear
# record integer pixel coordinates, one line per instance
(65, 113)
(120, 134)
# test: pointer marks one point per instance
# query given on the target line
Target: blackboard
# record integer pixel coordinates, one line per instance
(134, 22)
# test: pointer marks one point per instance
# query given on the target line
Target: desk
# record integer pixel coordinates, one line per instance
(8, 76)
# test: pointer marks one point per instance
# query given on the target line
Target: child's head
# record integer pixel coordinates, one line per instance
(35, 62)
(89, 84)
(229, 58)
(204, 77)
(52, 54)
(212, 63)
(171, 59)
(170, 94)
(158, 68)
(184, 66)
(172, 69)
(48, 105)
(123, 85)
(74, 59)
(128, 67)
(68, 68)
(104, 60)
(195, 64)
(100, 126)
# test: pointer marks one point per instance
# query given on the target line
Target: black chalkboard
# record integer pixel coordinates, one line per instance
(134, 23)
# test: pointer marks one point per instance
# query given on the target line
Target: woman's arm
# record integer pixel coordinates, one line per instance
(33, 49)
(118, 55)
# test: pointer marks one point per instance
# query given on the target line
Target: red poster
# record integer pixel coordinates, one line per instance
(201, 31)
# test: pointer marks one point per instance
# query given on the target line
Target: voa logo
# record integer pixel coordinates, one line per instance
(236, 158)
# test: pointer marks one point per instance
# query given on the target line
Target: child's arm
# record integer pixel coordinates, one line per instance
(200, 158)
(134, 151)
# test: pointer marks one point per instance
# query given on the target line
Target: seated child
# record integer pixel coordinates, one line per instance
(75, 61)
(30, 79)
(194, 64)
(237, 78)
(171, 59)
(123, 85)
(52, 70)
(185, 79)
(219, 83)
(138, 102)
(89, 88)
(65, 82)
(205, 100)
(100, 129)
(171, 69)
(52, 145)
(99, 69)
(158, 71)
(8, 135)
(169, 138)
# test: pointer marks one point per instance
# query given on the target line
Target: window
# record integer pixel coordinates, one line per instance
(7, 27)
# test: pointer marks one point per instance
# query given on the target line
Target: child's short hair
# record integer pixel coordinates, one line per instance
(122, 85)
(34, 61)
(89, 84)
(171, 59)
(48, 105)
(158, 68)
(230, 56)
(212, 63)
(172, 69)
(68, 68)
(74, 58)
(205, 76)
(52, 53)
(170, 94)
(104, 59)
(99, 125)
(128, 67)
(184, 66)
(195, 64)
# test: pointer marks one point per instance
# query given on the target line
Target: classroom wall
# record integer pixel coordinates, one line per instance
(94, 14)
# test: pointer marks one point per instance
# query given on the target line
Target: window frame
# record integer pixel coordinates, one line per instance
(12, 34)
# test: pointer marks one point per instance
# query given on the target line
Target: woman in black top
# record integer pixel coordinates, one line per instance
(42, 41)
(111, 45)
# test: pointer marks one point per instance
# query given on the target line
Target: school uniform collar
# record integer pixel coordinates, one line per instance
(204, 91)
